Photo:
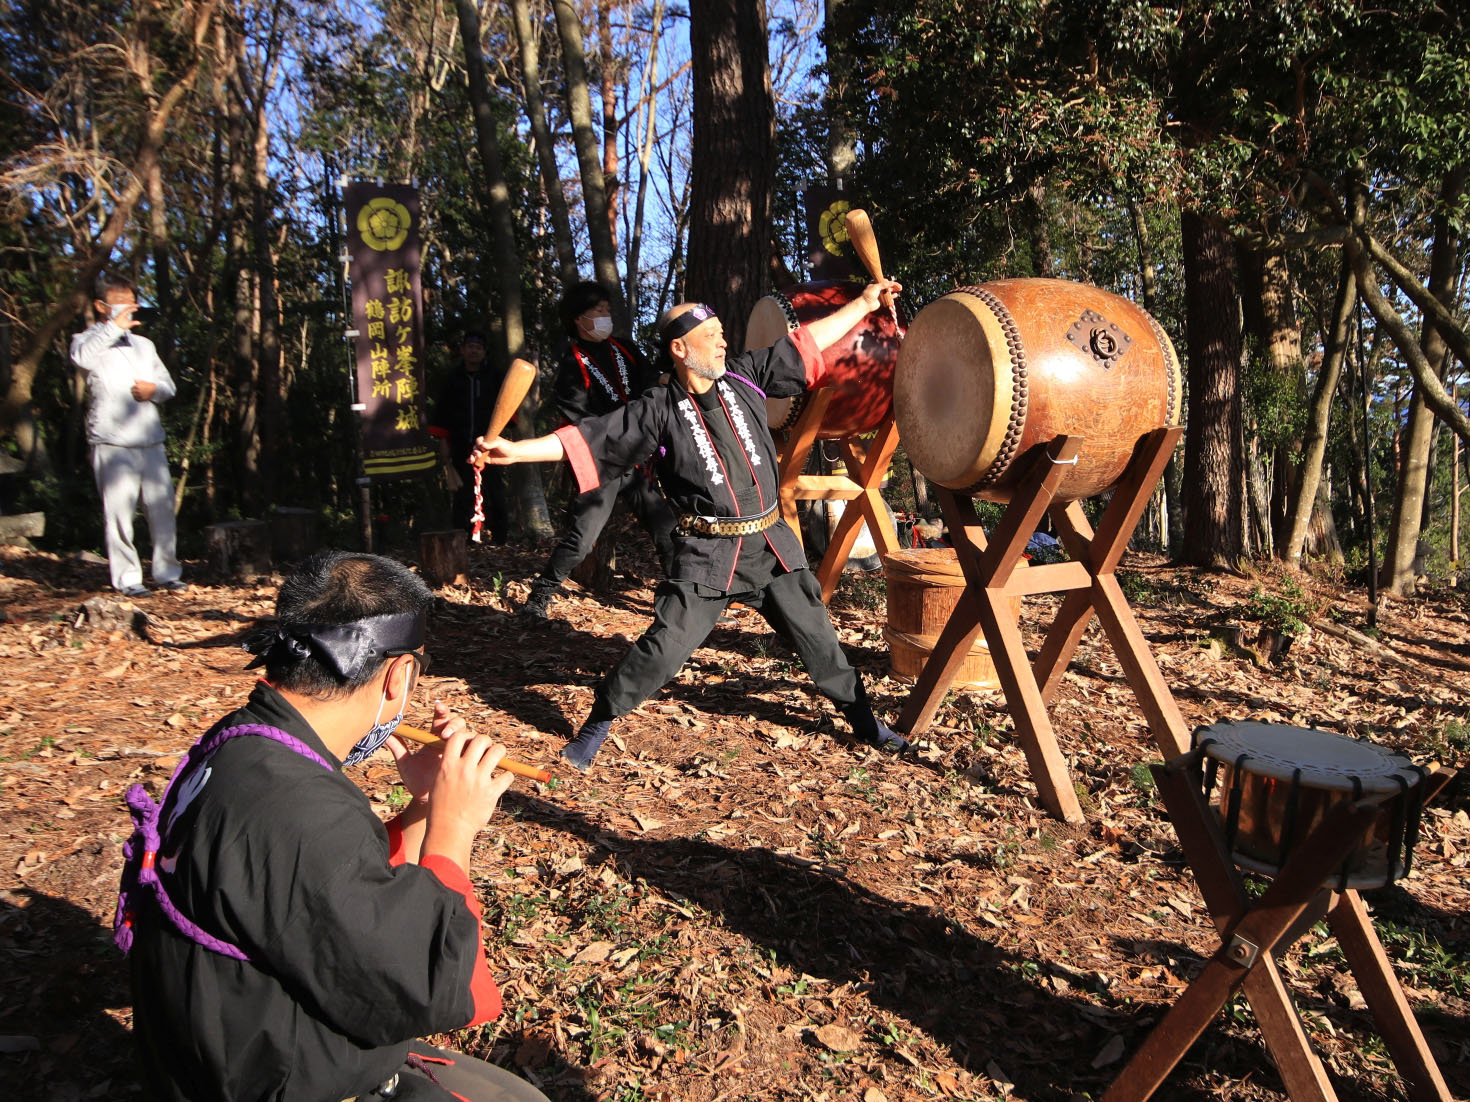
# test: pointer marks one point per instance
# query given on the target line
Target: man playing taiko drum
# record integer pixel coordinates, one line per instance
(718, 469)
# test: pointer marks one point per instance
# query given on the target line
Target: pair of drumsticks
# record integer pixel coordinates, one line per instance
(517, 384)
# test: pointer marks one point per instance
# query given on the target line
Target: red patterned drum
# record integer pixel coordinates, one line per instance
(860, 365)
(989, 373)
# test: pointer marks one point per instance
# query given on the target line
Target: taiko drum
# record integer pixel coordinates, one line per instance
(860, 365)
(989, 374)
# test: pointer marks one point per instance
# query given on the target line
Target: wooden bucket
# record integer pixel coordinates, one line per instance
(989, 374)
(924, 585)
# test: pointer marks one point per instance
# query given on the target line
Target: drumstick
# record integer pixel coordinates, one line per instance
(513, 390)
(860, 233)
(510, 765)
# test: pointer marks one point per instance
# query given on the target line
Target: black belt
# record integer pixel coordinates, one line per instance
(692, 524)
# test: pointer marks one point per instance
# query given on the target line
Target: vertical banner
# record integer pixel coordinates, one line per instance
(387, 312)
(828, 253)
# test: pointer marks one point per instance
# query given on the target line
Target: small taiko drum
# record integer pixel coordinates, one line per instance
(860, 365)
(988, 374)
(1272, 785)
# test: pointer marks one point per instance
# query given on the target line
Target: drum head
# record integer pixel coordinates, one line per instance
(1326, 760)
(768, 324)
(952, 390)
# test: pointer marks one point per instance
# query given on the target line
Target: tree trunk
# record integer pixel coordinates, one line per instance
(1271, 316)
(1314, 446)
(1170, 506)
(733, 160)
(502, 222)
(841, 143)
(556, 200)
(1213, 464)
(1397, 574)
(594, 187)
(607, 66)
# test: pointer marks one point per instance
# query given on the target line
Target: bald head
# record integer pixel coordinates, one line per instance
(695, 340)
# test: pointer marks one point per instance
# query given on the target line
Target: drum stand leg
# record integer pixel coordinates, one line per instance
(1251, 933)
(992, 580)
(861, 485)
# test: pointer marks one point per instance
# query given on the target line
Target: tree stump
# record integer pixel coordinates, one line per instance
(293, 534)
(240, 548)
(19, 528)
(444, 557)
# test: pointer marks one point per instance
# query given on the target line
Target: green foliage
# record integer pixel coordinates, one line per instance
(1286, 607)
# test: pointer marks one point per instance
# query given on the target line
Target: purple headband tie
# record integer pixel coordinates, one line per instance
(687, 321)
(347, 649)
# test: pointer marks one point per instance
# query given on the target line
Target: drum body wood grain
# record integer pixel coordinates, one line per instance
(860, 365)
(990, 373)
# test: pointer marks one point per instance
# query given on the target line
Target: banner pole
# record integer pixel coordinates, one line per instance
(355, 404)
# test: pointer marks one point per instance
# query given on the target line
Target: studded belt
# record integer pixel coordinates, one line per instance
(692, 524)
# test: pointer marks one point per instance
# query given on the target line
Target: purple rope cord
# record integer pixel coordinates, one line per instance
(141, 851)
(747, 382)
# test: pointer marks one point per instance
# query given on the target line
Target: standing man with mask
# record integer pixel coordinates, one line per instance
(596, 374)
(717, 463)
(126, 383)
(462, 412)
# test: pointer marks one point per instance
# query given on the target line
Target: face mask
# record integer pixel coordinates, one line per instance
(368, 745)
(602, 328)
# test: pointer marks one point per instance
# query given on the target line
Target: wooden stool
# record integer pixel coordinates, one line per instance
(1252, 933)
(992, 581)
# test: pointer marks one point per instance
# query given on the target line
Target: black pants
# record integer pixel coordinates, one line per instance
(683, 617)
(463, 1075)
(496, 504)
(589, 512)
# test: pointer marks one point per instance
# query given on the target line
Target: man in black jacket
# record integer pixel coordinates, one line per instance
(285, 943)
(706, 433)
(462, 412)
(596, 374)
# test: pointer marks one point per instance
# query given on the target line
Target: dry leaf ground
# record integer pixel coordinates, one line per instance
(737, 903)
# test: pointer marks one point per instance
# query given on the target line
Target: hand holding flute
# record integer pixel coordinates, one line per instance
(456, 786)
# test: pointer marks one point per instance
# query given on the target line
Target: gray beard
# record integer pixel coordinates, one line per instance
(708, 368)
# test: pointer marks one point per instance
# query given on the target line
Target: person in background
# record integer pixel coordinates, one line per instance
(461, 413)
(596, 374)
(126, 383)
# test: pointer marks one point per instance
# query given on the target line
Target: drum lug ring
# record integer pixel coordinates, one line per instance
(1017, 351)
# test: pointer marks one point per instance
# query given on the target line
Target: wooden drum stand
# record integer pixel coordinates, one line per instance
(863, 488)
(1252, 933)
(991, 581)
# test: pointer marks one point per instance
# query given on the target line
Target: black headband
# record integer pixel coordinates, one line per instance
(686, 322)
(349, 650)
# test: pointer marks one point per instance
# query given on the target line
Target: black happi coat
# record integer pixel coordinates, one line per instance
(462, 411)
(589, 382)
(351, 957)
(691, 470)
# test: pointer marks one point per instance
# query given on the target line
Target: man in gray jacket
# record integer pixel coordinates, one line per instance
(126, 381)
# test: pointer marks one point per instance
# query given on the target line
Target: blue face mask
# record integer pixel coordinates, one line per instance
(368, 745)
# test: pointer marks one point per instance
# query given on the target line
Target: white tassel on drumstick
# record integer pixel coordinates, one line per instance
(513, 390)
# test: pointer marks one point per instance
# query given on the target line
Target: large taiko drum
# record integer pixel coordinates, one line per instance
(860, 365)
(1272, 785)
(990, 373)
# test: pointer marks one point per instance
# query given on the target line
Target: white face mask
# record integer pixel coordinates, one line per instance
(368, 745)
(601, 328)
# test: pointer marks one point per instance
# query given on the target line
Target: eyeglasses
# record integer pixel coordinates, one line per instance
(421, 659)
